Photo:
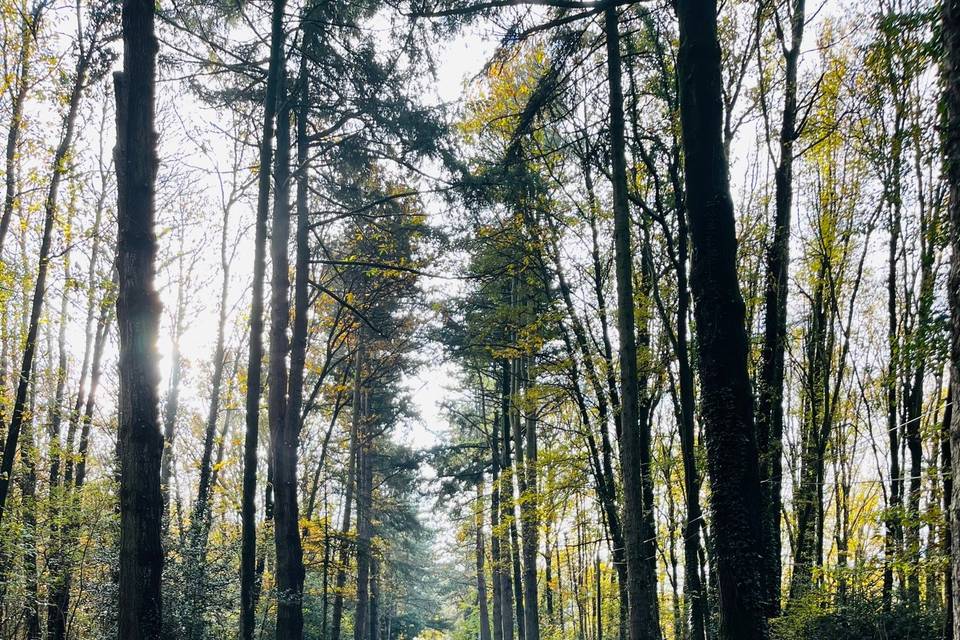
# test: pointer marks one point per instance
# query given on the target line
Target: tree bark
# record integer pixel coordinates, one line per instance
(692, 583)
(283, 442)
(946, 464)
(643, 616)
(171, 404)
(950, 16)
(602, 467)
(481, 572)
(248, 546)
(361, 618)
(531, 518)
(374, 597)
(505, 497)
(726, 396)
(28, 496)
(138, 310)
(348, 490)
(496, 560)
(204, 484)
(770, 386)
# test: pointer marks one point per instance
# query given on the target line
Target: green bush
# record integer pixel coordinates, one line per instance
(858, 619)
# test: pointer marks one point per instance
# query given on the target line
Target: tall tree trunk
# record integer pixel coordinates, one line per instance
(28, 493)
(893, 518)
(496, 559)
(248, 546)
(324, 618)
(946, 464)
(816, 421)
(603, 468)
(286, 437)
(59, 495)
(692, 584)
(913, 427)
(171, 404)
(529, 514)
(950, 16)
(517, 484)
(770, 386)
(726, 396)
(560, 586)
(56, 406)
(361, 618)
(283, 443)
(374, 597)
(138, 311)
(648, 531)
(204, 483)
(200, 514)
(505, 494)
(348, 490)
(518, 477)
(481, 572)
(643, 616)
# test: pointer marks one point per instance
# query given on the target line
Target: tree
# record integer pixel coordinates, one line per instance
(951, 75)
(138, 310)
(769, 414)
(248, 587)
(726, 397)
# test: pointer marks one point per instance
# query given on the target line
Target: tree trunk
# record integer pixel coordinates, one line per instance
(950, 15)
(496, 559)
(529, 520)
(893, 518)
(505, 494)
(726, 396)
(374, 597)
(348, 490)
(692, 549)
(57, 494)
(248, 547)
(138, 310)
(56, 406)
(643, 616)
(28, 493)
(283, 442)
(481, 572)
(815, 427)
(770, 386)
(364, 538)
(204, 483)
(946, 464)
(913, 427)
(171, 404)
(517, 488)
(606, 486)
